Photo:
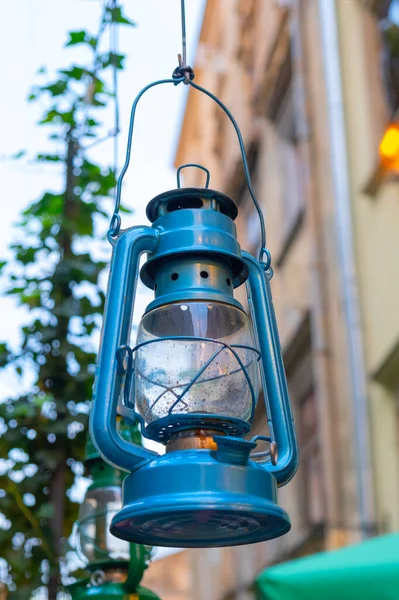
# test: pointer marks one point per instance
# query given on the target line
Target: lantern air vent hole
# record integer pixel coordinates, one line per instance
(174, 276)
(179, 203)
(228, 281)
(204, 274)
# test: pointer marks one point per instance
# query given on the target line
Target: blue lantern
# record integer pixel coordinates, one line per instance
(192, 379)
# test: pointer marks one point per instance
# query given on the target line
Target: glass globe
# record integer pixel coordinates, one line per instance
(95, 515)
(164, 368)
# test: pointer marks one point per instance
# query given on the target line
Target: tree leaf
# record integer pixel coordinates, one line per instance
(19, 154)
(75, 72)
(76, 37)
(112, 59)
(56, 116)
(57, 88)
(49, 158)
(115, 15)
(81, 37)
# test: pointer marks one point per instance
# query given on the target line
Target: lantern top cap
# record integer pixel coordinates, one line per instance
(197, 198)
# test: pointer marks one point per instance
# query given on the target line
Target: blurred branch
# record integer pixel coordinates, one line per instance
(29, 516)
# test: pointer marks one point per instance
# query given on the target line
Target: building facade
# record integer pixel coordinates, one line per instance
(313, 85)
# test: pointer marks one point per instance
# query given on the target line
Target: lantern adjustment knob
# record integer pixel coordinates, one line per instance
(232, 450)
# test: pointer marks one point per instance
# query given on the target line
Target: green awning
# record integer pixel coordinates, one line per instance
(367, 571)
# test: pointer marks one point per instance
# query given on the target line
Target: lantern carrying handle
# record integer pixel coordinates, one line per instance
(274, 383)
(196, 166)
(179, 76)
(116, 333)
(115, 223)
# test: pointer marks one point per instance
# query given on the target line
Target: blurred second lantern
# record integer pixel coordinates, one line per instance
(115, 567)
(192, 376)
(103, 498)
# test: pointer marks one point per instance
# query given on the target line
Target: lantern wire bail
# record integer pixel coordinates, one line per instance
(185, 74)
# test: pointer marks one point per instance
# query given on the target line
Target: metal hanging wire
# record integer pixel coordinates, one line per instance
(185, 74)
(114, 47)
(183, 56)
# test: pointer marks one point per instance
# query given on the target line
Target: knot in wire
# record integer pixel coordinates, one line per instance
(183, 71)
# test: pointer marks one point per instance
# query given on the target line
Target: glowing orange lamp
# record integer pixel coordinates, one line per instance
(389, 147)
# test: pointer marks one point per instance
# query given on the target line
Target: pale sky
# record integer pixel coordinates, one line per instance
(32, 34)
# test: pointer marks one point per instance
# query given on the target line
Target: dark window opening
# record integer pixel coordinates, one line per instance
(180, 203)
(387, 12)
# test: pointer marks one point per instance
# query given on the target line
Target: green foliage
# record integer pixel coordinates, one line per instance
(112, 59)
(115, 15)
(42, 433)
(81, 37)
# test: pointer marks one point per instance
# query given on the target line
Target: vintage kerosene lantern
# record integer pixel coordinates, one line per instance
(192, 377)
(115, 567)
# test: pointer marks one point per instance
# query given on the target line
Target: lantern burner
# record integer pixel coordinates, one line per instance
(200, 439)
(165, 429)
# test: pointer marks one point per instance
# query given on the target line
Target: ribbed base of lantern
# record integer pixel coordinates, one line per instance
(188, 499)
(202, 525)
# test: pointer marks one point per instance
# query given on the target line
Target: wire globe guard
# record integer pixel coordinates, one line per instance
(191, 499)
